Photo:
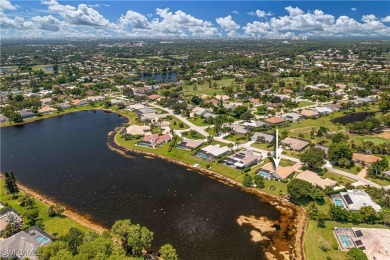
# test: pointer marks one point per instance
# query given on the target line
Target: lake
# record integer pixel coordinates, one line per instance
(354, 117)
(67, 159)
(160, 77)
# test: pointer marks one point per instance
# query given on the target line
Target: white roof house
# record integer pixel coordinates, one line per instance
(323, 110)
(138, 130)
(216, 150)
(356, 199)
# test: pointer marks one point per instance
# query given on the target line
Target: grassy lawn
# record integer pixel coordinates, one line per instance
(52, 225)
(237, 139)
(183, 156)
(305, 104)
(358, 139)
(195, 89)
(175, 124)
(197, 136)
(354, 170)
(379, 181)
(198, 121)
(339, 178)
(263, 146)
(316, 236)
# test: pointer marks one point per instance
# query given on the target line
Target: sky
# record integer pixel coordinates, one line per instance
(194, 19)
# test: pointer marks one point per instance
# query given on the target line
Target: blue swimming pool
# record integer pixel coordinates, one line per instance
(338, 202)
(266, 175)
(346, 241)
(41, 239)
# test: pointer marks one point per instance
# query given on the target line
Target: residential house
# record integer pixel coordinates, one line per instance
(255, 124)
(323, 110)
(46, 100)
(24, 244)
(268, 171)
(222, 97)
(213, 101)
(63, 106)
(199, 111)
(354, 200)
(212, 152)
(238, 129)
(295, 144)
(3, 119)
(242, 159)
(292, 116)
(96, 98)
(307, 113)
(47, 110)
(8, 215)
(79, 103)
(365, 159)
(140, 130)
(154, 140)
(274, 120)
(314, 179)
(26, 114)
(190, 144)
(154, 97)
(263, 137)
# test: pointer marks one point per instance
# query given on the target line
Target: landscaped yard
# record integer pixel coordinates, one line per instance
(305, 104)
(59, 225)
(316, 236)
(198, 121)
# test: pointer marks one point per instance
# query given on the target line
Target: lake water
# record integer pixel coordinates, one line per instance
(160, 77)
(67, 159)
(5, 69)
(354, 117)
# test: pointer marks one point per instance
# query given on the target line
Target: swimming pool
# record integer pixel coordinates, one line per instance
(266, 175)
(338, 202)
(41, 239)
(346, 241)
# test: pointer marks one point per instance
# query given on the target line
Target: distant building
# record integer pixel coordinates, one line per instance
(242, 159)
(3, 119)
(307, 113)
(212, 152)
(292, 116)
(64, 105)
(274, 120)
(190, 144)
(47, 110)
(154, 140)
(263, 137)
(268, 171)
(24, 244)
(365, 159)
(79, 103)
(295, 144)
(314, 179)
(26, 114)
(140, 130)
(354, 200)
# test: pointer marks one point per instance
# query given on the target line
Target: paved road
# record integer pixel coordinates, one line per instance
(200, 129)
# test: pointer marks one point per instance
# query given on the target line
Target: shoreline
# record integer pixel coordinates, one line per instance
(67, 213)
(298, 226)
(287, 209)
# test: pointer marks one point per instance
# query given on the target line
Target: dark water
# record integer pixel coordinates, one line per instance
(67, 158)
(354, 117)
(160, 77)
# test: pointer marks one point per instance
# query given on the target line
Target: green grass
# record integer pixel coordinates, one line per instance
(40, 67)
(237, 139)
(315, 236)
(60, 224)
(305, 104)
(189, 91)
(379, 181)
(338, 178)
(354, 169)
(358, 139)
(176, 126)
(198, 121)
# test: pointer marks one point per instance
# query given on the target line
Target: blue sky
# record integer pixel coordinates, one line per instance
(195, 19)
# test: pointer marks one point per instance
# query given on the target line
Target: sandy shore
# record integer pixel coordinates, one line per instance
(292, 249)
(68, 213)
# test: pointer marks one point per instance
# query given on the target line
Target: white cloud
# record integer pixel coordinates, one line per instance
(134, 19)
(227, 23)
(316, 23)
(353, 9)
(6, 5)
(82, 15)
(386, 19)
(260, 13)
(235, 12)
(47, 23)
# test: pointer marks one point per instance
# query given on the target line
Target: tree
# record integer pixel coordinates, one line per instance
(313, 158)
(302, 190)
(339, 137)
(384, 102)
(32, 215)
(27, 202)
(356, 254)
(12, 227)
(246, 116)
(338, 213)
(196, 100)
(55, 210)
(339, 150)
(10, 183)
(128, 92)
(16, 117)
(168, 252)
(259, 181)
(239, 110)
(247, 182)
(368, 214)
(73, 239)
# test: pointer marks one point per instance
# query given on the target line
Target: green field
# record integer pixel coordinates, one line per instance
(198, 89)
(305, 104)
(59, 225)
